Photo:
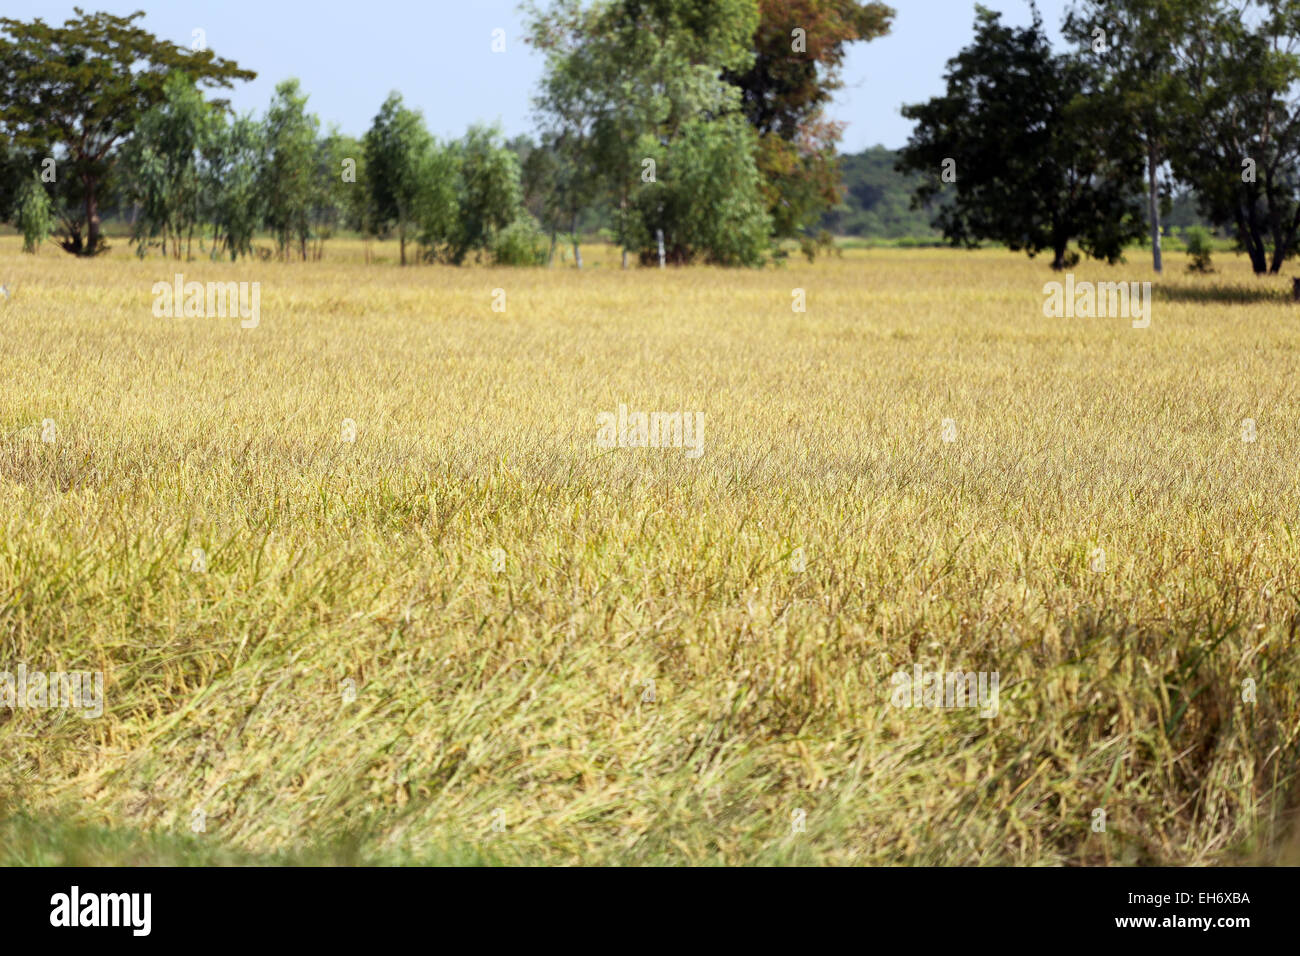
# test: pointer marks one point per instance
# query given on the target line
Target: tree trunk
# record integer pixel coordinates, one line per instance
(1248, 229)
(92, 215)
(577, 252)
(550, 258)
(1287, 243)
(622, 225)
(401, 238)
(72, 244)
(1059, 248)
(1258, 254)
(1154, 205)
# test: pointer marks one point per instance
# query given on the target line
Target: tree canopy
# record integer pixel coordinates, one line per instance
(1051, 174)
(74, 92)
(799, 47)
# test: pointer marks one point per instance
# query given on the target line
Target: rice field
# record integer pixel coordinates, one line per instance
(369, 583)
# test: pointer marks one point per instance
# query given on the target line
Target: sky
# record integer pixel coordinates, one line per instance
(438, 54)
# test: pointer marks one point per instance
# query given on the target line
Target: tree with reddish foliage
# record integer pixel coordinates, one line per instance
(799, 49)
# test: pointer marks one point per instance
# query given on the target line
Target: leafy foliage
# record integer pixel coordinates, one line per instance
(34, 213)
(624, 82)
(398, 152)
(522, 243)
(785, 90)
(233, 190)
(1237, 123)
(162, 165)
(876, 198)
(81, 89)
(1050, 175)
(708, 201)
(488, 196)
(1197, 239)
(290, 176)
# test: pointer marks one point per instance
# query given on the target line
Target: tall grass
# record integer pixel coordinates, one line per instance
(504, 716)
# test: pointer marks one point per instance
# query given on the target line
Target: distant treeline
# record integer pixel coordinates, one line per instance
(694, 132)
(685, 132)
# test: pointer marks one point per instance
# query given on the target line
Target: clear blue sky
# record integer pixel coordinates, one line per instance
(350, 53)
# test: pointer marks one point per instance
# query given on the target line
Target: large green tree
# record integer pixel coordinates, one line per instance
(290, 174)
(14, 170)
(234, 198)
(488, 193)
(556, 188)
(1135, 46)
(338, 190)
(398, 155)
(708, 202)
(624, 78)
(1237, 124)
(74, 92)
(1022, 141)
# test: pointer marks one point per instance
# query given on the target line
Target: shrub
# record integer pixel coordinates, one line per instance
(34, 214)
(1197, 240)
(708, 199)
(521, 243)
(823, 242)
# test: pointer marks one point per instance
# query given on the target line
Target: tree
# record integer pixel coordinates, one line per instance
(33, 213)
(1025, 140)
(708, 201)
(399, 167)
(14, 168)
(1237, 127)
(624, 77)
(358, 213)
(79, 90)
(437, 200)
(488, 195)
(554, 171)
(1135, 45)
(552, 189)
(232, 187)
(161, 161)
(799, 48)
(557, 169)
(337, 187)
(289, 170)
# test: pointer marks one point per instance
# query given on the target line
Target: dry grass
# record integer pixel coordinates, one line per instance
(522, 691)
